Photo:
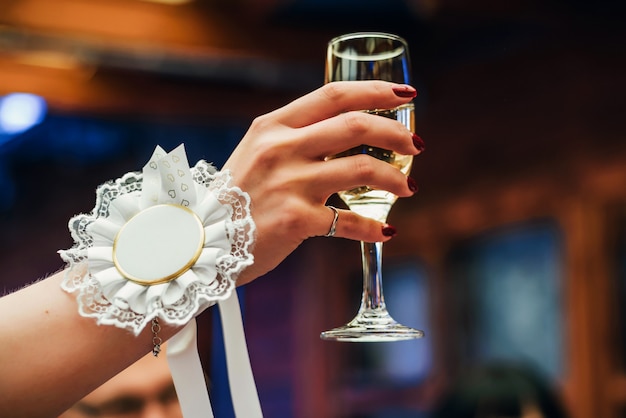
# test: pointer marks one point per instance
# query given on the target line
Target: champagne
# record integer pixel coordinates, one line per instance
(365, 200)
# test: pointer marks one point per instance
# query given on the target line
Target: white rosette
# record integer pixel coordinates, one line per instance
(167, 243)
(224, 212)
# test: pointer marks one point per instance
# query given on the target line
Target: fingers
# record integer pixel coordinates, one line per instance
(347, 173)
(352, 129)
(342, 96)
(352, 226)
(281, 164)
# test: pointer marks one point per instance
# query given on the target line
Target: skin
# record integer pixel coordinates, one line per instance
(51, 357)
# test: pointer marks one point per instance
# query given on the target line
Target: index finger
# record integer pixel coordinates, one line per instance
(342, 96)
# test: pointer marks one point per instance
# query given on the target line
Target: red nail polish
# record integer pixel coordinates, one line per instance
(412, 184)
(419, 143)
(405, 91)
(389, 231)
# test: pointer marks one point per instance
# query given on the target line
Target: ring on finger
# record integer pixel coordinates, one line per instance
(333, 226)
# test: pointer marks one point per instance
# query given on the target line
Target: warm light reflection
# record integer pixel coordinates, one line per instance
(49, 59)
(169, 2)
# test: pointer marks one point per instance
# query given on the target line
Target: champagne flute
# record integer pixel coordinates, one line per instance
(372, 56)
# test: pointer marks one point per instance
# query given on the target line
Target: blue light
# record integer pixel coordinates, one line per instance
(20, 111)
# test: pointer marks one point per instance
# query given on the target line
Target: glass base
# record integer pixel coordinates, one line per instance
(372, 326)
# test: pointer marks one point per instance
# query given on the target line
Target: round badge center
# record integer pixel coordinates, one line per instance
(158, 244)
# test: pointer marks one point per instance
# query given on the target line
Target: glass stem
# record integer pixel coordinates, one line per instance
(372, 254)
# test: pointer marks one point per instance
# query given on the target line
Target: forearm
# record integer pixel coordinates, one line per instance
(50, 356)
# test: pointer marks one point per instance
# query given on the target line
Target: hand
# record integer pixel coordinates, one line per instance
(281, 164)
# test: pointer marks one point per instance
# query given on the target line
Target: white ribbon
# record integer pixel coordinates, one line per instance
(184, 362)
(186, 369)
(240, 377)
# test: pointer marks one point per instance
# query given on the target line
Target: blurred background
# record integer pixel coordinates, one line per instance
(514, 250)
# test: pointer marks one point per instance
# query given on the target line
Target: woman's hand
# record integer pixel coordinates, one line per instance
(281, 163)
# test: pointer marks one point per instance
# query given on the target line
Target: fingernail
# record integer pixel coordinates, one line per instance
(418, 142)
(404, 91)
(389, 231)
(412, 184)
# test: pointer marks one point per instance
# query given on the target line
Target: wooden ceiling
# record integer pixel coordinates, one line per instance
(130, 55)
(205, 57)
